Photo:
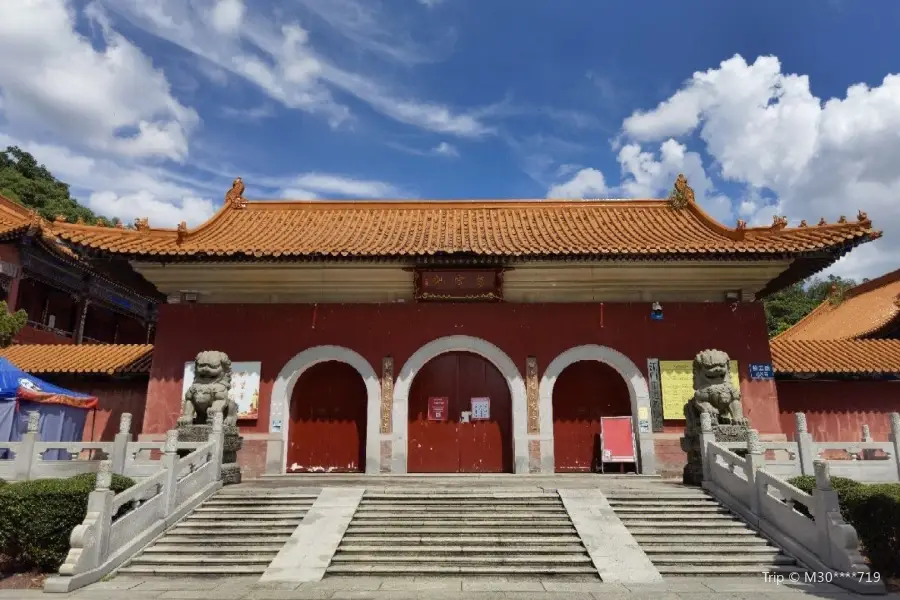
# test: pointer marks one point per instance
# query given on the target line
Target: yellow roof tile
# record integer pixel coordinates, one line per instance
(83, 358)
(836, 356)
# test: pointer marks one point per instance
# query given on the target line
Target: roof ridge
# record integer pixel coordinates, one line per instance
(873, 284)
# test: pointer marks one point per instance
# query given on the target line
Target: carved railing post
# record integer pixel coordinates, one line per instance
(756, 459)
(837, 538)
(895, 439)
(170, 464)
(89, 541)
(25, 456)
(806, 447)
(218, 436)
(120, 444)
(706, 437)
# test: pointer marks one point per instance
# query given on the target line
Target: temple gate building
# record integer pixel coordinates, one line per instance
(461, 336)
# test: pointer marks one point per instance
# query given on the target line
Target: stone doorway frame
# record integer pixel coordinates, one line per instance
(458, 343)
(283, 390)
(638, 392)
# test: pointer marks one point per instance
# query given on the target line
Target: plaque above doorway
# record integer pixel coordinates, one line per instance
(484, 285)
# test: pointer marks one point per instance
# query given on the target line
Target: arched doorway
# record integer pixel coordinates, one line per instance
(327, 429)
(585, 391)
(442, 437)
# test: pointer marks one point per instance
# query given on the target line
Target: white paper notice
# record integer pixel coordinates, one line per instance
(481, 409)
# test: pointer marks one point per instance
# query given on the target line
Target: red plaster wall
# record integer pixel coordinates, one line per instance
(30, 335)
(116, 396)
(273, 334)
(837, 410)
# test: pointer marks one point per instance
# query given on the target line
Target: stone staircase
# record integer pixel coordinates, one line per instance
(462, 533)
(687, 532)
(236, 532)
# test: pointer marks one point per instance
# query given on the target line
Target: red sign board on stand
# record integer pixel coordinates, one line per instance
(437, 408)
(617, 440)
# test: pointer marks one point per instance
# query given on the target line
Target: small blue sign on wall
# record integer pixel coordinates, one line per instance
(762, 371)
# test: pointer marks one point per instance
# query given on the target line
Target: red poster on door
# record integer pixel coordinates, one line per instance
(437, 408)
(617, 439)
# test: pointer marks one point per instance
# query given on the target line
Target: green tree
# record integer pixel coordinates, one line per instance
(10, 323)
(787, 307)
(29, 183)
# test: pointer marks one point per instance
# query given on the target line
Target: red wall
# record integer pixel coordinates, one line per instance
(837, 410)
(30, 335)
(273, 334)
(116, 396)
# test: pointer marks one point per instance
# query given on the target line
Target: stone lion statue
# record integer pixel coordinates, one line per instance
(208, 393)
(714, 393)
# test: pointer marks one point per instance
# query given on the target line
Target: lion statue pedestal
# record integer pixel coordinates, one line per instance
(714, 395)
(209, 394)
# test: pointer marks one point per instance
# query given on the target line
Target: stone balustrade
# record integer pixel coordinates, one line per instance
(117, 526)
(816, 535)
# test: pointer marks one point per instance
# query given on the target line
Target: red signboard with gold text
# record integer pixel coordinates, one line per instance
(437, 408)
(475, 284)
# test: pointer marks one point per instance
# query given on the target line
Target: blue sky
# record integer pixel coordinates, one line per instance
(151, 107)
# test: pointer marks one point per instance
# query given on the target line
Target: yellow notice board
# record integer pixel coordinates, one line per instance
(677, 383)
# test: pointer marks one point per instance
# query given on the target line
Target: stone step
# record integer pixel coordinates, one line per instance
(223, 541)
(506, 570)
(193, 571)
(708, 535)
(461, 529)
(492, 521)
(662, 501)
(217, 533)
(717, 559)
(445, 496)
(226, 493)
(291, 508)
(465, 561)
(684, 524)
(244, 517)
(627, 509)
(448, 512)
(762, 549)
(634, 496)
(726, 570)
(246, 524)
(450, 550)
(724, 516)
(511, 502)
(254, 503)
(461, 539)
(167, 547)
(256, 559)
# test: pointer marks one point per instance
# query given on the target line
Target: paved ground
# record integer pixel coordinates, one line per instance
(357, 588)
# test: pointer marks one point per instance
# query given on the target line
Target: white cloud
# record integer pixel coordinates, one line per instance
(587, 183)
(275, 54)
(445, 149)
(126, 190)
(111, 100)
(227, 16)
(325, 185)
(766, 130)
(431, 3)
(256, 113)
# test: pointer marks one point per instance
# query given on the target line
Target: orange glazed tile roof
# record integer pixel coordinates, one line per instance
(491, 228)
(863, 311)
(836, 356)
(16, 220)
(96, 359)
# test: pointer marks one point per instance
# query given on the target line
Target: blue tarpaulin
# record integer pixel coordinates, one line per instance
(62, 411)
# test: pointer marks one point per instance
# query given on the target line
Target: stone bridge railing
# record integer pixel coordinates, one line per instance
(118, 526)
(818, 537)
(28, 459)
(863, 460)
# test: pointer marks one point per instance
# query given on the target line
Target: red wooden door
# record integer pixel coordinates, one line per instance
(328, 421)
(584, 392)
(450, 446)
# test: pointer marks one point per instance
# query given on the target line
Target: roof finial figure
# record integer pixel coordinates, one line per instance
(803, 223)
(843, 219)
(862, 216)
(235, 196)
(741, 224)
(142, 224)
(779, 222)
(822, 222)
(182, 231)
(682, 194)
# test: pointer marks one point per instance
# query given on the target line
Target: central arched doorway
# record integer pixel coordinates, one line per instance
(442, 438)
(327, 432)
(584, 392)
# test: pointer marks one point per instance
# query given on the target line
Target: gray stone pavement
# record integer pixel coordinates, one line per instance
(416, 588)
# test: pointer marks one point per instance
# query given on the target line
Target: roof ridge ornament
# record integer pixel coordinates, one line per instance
(779, 222)
(741, 224)
(862, 217)
(682, 194)
(234, 197)
(182, 231)
(142, 224)
(823, 222)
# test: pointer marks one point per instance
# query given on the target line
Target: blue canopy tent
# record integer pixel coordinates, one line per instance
(63, 412)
